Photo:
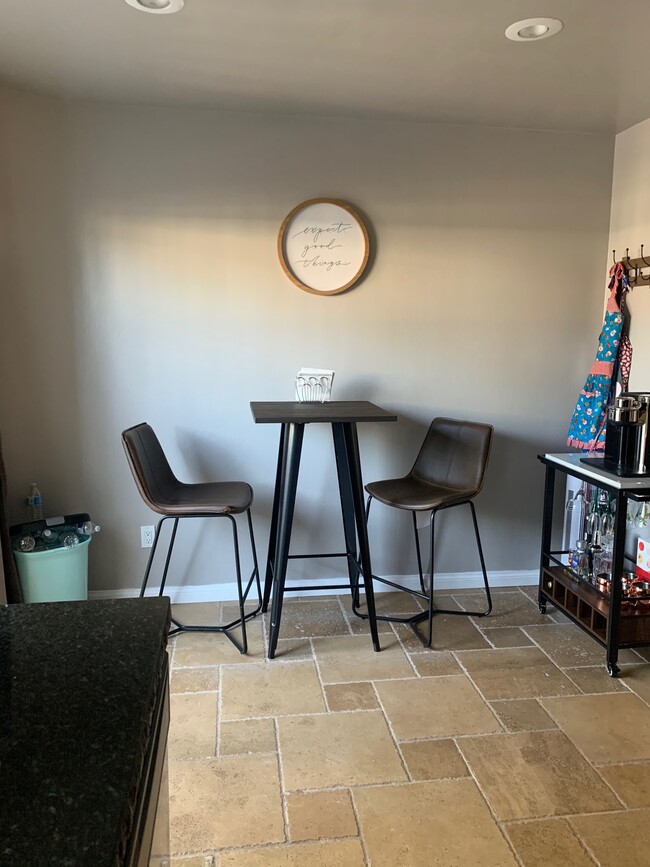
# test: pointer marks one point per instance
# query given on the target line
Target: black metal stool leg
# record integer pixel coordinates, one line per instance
(243, 648)
(256, 568)
(418, 553)
(152, 554)
(482, 559)
(169, 557)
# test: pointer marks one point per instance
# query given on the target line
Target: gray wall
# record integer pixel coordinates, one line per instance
(630, 227)
(145, 286)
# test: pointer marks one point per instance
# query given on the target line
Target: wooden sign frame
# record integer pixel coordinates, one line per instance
(293, 254)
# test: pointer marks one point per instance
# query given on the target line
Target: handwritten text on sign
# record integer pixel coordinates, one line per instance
(324, 246)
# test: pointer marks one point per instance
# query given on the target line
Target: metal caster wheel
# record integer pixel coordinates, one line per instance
(542, 607)
(613, 669)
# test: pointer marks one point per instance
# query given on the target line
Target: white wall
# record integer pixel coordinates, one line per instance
(630, 227)
(147, 288)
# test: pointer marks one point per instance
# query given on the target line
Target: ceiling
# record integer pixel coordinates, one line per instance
(428, 60)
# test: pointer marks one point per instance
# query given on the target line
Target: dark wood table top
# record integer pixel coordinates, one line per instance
(294, 412)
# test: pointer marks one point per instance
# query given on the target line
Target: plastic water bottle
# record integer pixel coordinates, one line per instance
(50, 538)
(34, 504)
(26, 543)
(71, 540)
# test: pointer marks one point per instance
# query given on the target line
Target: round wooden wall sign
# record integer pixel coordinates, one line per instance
(323, 246)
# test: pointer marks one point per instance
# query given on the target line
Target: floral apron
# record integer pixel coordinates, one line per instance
(609, 372)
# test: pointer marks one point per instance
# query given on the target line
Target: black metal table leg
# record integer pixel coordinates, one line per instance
(270, 558)
(547, 528)
(616, 591)
(356, 489)
(288, 483)
(347, 508)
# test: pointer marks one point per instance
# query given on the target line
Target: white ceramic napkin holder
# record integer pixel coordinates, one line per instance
(314, 385)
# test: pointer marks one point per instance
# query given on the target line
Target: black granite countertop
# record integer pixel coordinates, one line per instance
(78, 686)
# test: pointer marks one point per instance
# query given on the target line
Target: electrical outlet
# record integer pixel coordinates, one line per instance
(146, 536)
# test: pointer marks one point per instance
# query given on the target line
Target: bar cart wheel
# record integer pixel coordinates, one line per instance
(612, 669)
(542, 607)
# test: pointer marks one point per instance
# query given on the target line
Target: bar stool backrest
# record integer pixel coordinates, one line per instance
(454, 454)
(153, 476)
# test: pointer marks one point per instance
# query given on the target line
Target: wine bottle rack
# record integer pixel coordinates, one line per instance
(583, 604)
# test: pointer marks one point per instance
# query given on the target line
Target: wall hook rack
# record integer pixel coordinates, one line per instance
(635, 265)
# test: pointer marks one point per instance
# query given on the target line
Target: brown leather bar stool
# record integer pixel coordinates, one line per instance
(162, 492)
(448, 472)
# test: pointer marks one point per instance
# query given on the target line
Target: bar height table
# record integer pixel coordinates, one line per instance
(343, 416)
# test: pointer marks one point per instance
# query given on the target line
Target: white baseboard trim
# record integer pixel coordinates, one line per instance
(228, 592)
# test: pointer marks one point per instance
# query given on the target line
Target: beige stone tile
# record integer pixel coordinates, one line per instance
(194, 680)
(595, 680)
(270, 689)
(523, 672)
(509, 609)
(618, 839)
(523, 715)
(309, 619)
(318, 815)
(291, 649)
(336, 853)
(435, 707)
(392, 602)
(433, 760)
(435, 663)
(247, 736)
(351, 696)
(429, 825)
(359, 626)
(637, 677)
(201, 861)
(530, 775)
(507, 636)
(205, 648)
(607, 728)
(193, 727)
(630, 782)
(449, 633)
(198, 613)
(351, 658)
(569, 646)
(230, 610)
(548, 843)
(233, 801)
(337, 749)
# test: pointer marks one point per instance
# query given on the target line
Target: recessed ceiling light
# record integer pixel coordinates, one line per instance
(531, 29)
(160, 7)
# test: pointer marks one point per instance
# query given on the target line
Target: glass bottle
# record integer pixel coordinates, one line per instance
(607, 556)
(606, 525)
(574, 521)
(592, 522)
(582, 566)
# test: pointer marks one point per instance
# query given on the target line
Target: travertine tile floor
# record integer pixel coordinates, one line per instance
(507, 744)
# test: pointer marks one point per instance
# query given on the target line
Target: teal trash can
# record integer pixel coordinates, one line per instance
(59, 575)
(50, 569)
